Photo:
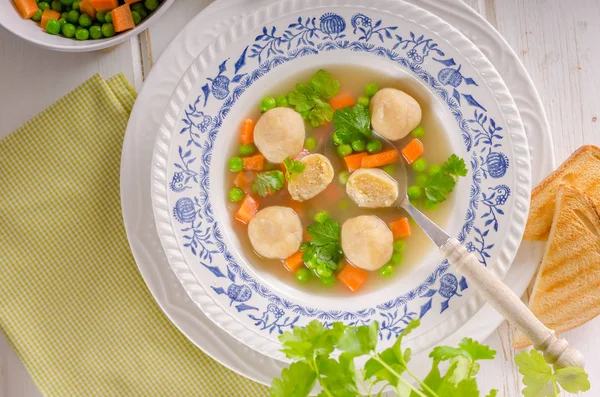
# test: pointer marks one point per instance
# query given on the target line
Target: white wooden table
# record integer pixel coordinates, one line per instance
(557, 40)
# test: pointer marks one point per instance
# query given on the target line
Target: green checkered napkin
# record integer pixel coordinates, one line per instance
(72, 301)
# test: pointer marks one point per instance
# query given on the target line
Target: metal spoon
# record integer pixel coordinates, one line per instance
(556, 350)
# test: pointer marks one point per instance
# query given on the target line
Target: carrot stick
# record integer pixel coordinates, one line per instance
(254, 163)
(122, 18)
(27, 8)
(247, 133)
(247, 210)
(244, 180)
(354, 161)
(294, 262)
(47, 15)
(380, 159)
(352, 277)
(341, 100)
(413, 150)
(400, 228)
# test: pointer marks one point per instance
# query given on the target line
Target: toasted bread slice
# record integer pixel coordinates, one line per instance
(582, 171)
(566, 292)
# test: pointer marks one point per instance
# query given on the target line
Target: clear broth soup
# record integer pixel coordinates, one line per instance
(334, 199)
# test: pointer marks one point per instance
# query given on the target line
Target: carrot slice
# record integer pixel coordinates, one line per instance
(354, 160)
(104, 5)
(247, 133)
(244, 180)
(122, 18)
(380, 159)
(47, 15)
(247, 210)
(341, 100)
(294, 262)
(87, 8)
(400, 228)
(352, 277)
(254, 163)
(413, 151)
(132, 1)
(27, 8)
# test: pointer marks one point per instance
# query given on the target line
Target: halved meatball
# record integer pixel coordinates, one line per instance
(367, 242)
(279, 133)
(394, 113)
(275, 232)
(317, 175)
(372, 188)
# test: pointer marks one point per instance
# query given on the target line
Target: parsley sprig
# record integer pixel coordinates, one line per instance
(293, 167)
(310, 99)
(311, 349)
(324, 247)
(352, 123)
(267, 182)
(442, 183)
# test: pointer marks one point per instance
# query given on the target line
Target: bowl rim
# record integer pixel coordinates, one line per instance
(82, 46)
(260, 17)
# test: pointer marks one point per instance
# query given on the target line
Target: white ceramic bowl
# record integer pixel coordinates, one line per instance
(31, 31)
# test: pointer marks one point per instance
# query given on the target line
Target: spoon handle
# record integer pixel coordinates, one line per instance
(556, 350)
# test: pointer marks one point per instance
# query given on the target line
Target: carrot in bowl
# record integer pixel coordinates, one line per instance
(352, 277)
(27, 8)
(244, 180)
(413, 150)
(122, 18)
(354, 161)
(400, 228)
(254, 163)
(247, 210)
(104, 5)
(247, 132)
(341, 100)
(47, 15)
(294, 262)
(380, 159)
(87, 8)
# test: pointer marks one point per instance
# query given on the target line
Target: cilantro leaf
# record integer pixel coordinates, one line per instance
(338, 377)
(310, 100)
(573, 379)
(297, 380)
(359, 341)
(324, 246)
(375, 369)
(438, 186)
(312, 340)
(267, 182)
(352, 123)
(477, 351)
(293, 167)
(455, 166)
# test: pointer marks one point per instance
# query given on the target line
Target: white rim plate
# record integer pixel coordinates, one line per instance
(136, 159)
(481, 121)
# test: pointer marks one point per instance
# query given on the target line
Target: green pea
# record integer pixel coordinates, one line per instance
(343, 177)
(418, 132)
(53, 27)
(75, 5)
(344, 150)
(324, 272)
(236, 164)
(151, 5)
(68, 30)
(282, 102)
(101, 17)
(247, 150)
(359, 145)
(310, 143)
(302, 275)
(321, 216)
(56, 5)
(38, 15)
(85, 20)
(108, 30)
(430, 205)
(137, 18)
(399, 245)
(73, 17)
(328, 281)
(235, 194)
(414, 192)
(67, 3)
(336, 138)
(62, 22)
(374, 146)
(343, 204)
(363, 100)
(434, 169)
(421, 180)
(267, 103)
(140, 9)
(386, 271)
(43, 5)
(96, 32)
(108, 17)
(371, 90)
(311, 264)
(419, 165)
(82, 34)
(396, 258)
(389, 169)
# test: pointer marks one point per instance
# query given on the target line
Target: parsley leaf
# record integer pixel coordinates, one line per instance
(324, 246)
(310, 100)
(267, 182)
(339, 377)
(352, 123)
(359, 341)
(296, 381)
(293, 167)
(442, 183)
(312, 340)
(455, 166)
(572, 379)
